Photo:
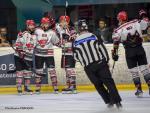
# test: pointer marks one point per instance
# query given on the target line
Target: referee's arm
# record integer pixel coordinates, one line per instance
(102, 47)
(75, 55)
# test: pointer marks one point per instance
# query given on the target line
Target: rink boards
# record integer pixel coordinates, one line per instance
(120, 75)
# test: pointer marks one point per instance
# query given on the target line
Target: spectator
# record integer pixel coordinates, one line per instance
(3, 37)
(103, 32)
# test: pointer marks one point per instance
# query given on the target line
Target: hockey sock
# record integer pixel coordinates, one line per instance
(146, 73)
(72, 77)
(19, 84)
(19, 80)
(137, 83)
(147, 79)
(38, 83)
(54, 82)
(53, 78)
(73, 82)
(27, 84)
(136, 78)
(68, 80)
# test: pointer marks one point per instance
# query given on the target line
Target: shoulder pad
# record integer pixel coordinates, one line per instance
(127, 23)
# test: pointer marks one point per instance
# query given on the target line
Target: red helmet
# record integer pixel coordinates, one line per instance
(45, 20)
(30, 22)
(122, 16)
(67, 18)
(141, 12)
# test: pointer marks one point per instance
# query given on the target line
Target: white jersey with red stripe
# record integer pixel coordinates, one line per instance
(30, 41)
(128, 33)
(45, 41)
(66, 43)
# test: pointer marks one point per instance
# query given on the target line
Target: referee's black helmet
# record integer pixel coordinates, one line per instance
(82, 25)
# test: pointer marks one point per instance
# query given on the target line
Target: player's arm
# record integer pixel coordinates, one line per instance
(116, 42)
(75, 54)
(18, 40)
(36, 39)
(55, 39)
(73, 34)
(103, 48)
(20, 44)
(139, 30)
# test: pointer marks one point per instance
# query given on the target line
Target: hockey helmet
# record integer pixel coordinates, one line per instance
(122, 16)
(66, 18)
(45, 20)
(30, 22)
(82, 25)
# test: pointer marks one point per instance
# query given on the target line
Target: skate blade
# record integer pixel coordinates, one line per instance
(119, 107)
(75, 92)
(66, 92)
(69, 92)
(20, 94)
(28, 93)
(55, 92)
(37, 93)
(140, 95)
(110, 106)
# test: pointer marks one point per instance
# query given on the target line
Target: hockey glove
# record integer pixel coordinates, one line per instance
(115, 56)
(65, 36)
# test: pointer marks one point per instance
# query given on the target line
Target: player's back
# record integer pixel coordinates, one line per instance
(129, 33)
(129, 29)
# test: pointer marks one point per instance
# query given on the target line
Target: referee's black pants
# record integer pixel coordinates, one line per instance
(99, 74)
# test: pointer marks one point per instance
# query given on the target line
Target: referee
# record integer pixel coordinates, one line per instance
(92, 54)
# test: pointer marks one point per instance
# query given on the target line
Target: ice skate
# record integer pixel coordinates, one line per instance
(139, 93)
(56, 91)
(69, 91)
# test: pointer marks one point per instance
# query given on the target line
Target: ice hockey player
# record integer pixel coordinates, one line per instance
(67, 35)
(92, 54)
(44, 53)
(30, 40)
(129, 34)
(23, 57)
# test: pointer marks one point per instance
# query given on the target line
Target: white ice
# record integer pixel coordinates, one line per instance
(72, 103)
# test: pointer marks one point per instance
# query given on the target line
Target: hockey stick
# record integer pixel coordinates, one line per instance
(113, 67)
(114, 64)
(64, 46)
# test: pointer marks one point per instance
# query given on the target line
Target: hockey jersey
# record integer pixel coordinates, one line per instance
(45, 41)
(65, 43)
(129, 34)
(30, 42)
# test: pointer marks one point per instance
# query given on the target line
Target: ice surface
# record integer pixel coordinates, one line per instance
(72, 103)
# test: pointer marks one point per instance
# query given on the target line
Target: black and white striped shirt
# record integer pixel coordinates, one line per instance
(88, 49)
